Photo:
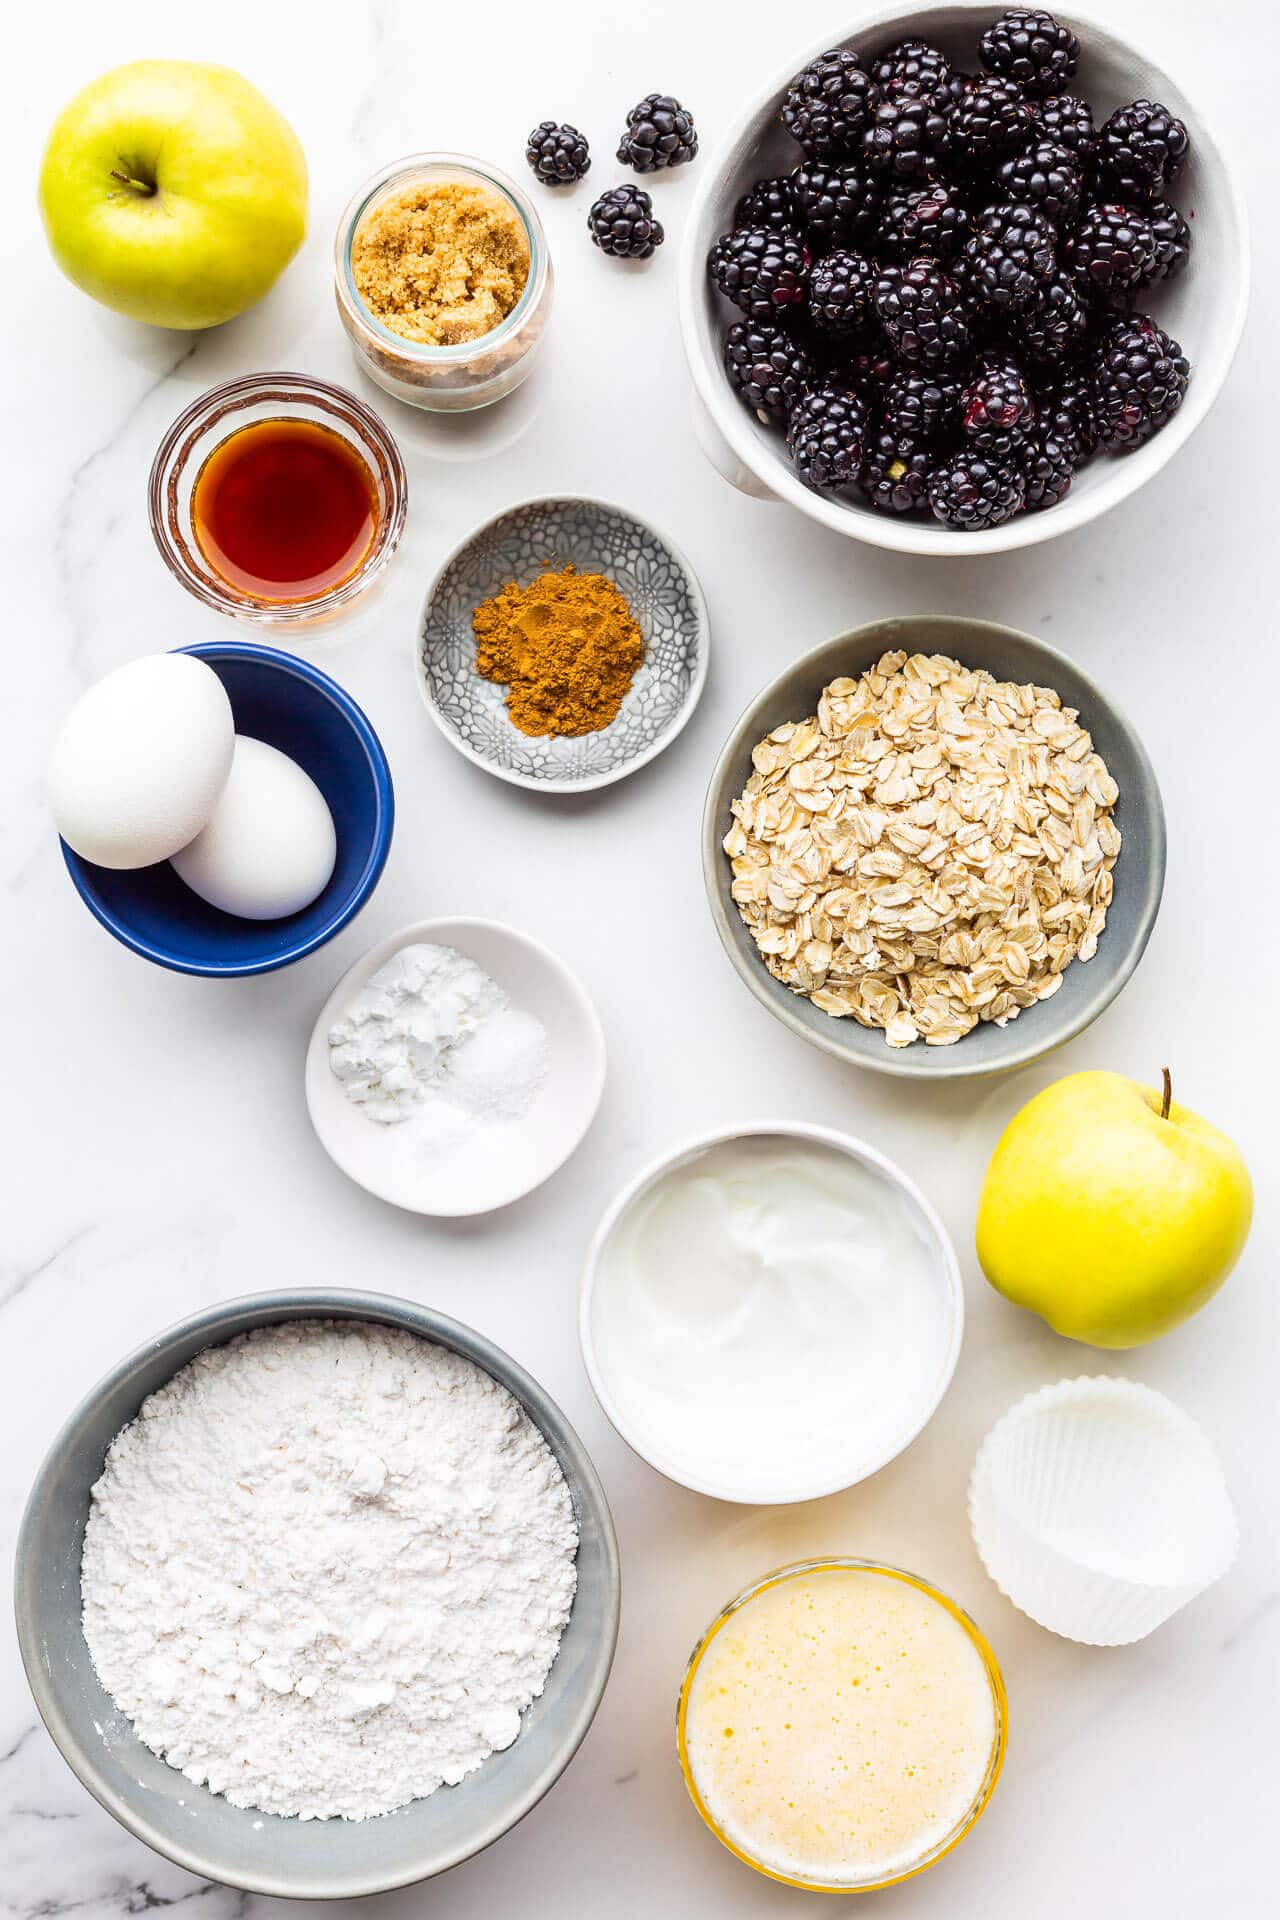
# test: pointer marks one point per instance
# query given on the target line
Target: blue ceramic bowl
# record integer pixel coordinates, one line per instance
(293, 706)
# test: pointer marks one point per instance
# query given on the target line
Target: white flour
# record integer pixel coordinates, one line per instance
(327, 1567)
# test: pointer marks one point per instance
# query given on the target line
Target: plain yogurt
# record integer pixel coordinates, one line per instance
(772, 1318)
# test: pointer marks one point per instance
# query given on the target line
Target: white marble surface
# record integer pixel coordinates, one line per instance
(157, 1151)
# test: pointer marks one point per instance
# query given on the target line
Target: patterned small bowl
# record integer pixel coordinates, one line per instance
(662, 591)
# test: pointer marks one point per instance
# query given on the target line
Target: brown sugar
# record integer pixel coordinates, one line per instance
(441, 261)
(567, 646)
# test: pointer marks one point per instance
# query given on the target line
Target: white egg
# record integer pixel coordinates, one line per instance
(269, 847)
(140, 760)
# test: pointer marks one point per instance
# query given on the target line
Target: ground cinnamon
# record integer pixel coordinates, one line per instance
(567, 646)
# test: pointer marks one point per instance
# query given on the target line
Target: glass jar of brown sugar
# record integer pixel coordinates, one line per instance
(443, 281)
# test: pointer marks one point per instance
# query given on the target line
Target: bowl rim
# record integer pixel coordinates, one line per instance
(581, 783)
(898, 533)
(266, 1309)
(284, 614)
(429, 930)
(934, 1063)
(688, 1148)
(383, 826)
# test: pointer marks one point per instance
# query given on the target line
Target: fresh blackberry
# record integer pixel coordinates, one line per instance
(839, 206)
(997, 394)
(825, 436)
(1030, 47)
(558, 154)
(992, 120)
(841, 293)
(762, 272)
(1012, 254)
(982, 317)
(894, 476)
(1044, 175)
(1068, 413)
(1067, 120)
(1048, 470)
(1173, 240)
(932, 219)
(922, 408)
(1052, 330)
(1141, 149)
(621, 223)
(913, 67)
(1112, 248)
(828, 105)
(970, 492)
(872, 371)
(767, 368)
(923, 315)
(1140, 377)
(659, 133)
(770, 203)
(906, 137)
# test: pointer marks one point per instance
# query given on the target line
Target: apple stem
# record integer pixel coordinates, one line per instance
(144, 187)
(1167, 1101)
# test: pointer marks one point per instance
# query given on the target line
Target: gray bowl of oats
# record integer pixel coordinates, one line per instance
(934, 848)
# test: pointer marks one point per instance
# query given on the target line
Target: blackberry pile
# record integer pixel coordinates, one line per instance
(941, 307)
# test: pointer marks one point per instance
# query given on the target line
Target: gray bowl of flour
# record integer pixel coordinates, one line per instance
(266, 1853)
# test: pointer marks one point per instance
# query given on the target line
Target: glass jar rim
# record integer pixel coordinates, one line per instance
(840, 1563)
(416, 163)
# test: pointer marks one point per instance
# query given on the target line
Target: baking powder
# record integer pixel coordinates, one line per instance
(327, 1567)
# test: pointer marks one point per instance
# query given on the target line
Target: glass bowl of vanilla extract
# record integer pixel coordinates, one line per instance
(278, 499)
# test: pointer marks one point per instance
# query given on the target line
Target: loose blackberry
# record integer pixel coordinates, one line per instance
(659, 133)
(1048, 470)
(1112, 248)
(558, 154)
(1030, 47)
(906, 137)
(1052, 329)
(932, 219)
(969, 491)
(872, 372)
(767, 368)
(826, 435)
(839, 206)
(841, 293)
(1012, 254)
(922, 408)
(923, 315)
(1068, 413)
(1173, 240)
(1044, 175)
(828, 105)
(992, 120)
(997, 395)
(762, 272)
(1067, 120)
(621, 223)
(913, 67)
(1141, 149)
(1140, 377)
(894, 476)
(770, 203)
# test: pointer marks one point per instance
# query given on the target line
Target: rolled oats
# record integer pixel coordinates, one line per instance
(932, 849)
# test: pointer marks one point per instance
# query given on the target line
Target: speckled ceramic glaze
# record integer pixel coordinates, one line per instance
(662, 591)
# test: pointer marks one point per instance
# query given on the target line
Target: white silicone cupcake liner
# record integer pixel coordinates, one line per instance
(1099, 1509)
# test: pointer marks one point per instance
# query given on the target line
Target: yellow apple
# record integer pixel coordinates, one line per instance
(1111, 1211)
(173, 192)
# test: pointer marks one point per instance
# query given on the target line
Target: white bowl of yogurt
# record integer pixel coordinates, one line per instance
(770, 1313)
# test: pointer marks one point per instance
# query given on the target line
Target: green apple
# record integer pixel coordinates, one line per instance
(173, 193)
(1110, 1211)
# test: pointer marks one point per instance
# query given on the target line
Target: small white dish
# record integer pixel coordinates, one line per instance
(487, 1170)
(1099, 1509)
(855, 1452)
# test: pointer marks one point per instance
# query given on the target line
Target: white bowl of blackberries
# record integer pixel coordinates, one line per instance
(964, 281)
